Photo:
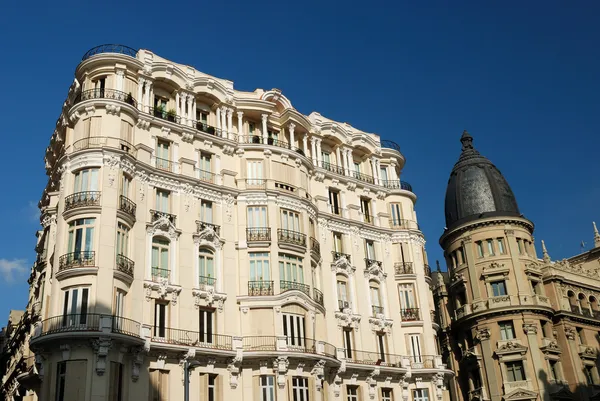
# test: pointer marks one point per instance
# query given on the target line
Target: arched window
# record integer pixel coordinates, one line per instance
(593, 303)
(342, 292)
(376, 304)
(573, 301)
(583, 303)
(160, 258)
(206, 267)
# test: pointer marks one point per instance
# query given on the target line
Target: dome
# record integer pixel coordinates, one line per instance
(476, 189)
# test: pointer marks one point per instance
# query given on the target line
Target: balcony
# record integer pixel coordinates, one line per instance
(499, 301)
(403, 268)
(422, 362)
(376, 310)
(343, 305)
(396, 184)
(387, 144)
(591, 314)
(105, 93)
(188, 338)
(202, 225)
(258, 234)
(372, 263)
(363, 177)
(82, 199)
(260, 140)
(69, 323)
(155, 215)
(122, 325)
(260, 288)
(159, 274)
(97, 142)
(125, 265)
(292, 285)
(315, 248)
(203, 127)
(110, 48)
(127, 206)
(256, 183)
(75, 260)
(164, 114)
(373, 358)
(402, 224)
(410, 314)
(259, 343)
(205, 176)
(463, 311)
(206, 281)
(164, 164)
(339, 255)
(291, 237)
(318, 296)
(334, 168)
(367, 218)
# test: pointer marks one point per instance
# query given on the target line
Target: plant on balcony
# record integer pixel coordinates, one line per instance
(171, 114)
(159, 111)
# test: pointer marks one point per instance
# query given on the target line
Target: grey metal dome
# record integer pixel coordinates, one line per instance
(476, 188)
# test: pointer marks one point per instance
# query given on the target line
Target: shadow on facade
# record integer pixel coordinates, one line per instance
(557, 390)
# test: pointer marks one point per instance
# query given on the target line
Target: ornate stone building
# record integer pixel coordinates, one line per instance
(513, 327)
(184, 220)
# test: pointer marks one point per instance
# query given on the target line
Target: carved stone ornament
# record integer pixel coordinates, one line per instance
(101, 347)
(570, 333)
(482, 333)
(208, 237)
(209, 294)
(380, 324)
(319, 372)
(163, 289)
(346, 318)
(234, 371)
(372, 383)
(137, 358)
(343, 265)
(228, 202)
(375, 271)
(163, 226)
(530, 328)
(280, 366)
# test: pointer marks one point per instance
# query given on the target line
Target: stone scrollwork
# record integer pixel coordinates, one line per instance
(281, 365)
(380, 324)
(211, 297)
(482, 334)
(319, 372)
(101, 347)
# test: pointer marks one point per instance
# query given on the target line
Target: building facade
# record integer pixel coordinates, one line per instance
(513, 326)
(186, 220)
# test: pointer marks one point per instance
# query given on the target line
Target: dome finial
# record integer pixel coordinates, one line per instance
(467, 140)
(545, 254)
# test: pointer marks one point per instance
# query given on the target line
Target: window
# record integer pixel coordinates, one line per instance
(160, 319)
(365, 209)
(352, 392)
(162, 201)
(546, 331)
(267, 388)
(119, 302)
(326, 158)
(206, 267)
(421, 394)
(126, 135)
(71, 380)
(490, 247)
(162, 156)
(334, 202)
(461, 255)
(212, 387)
(254, 172)
(259, 266)
(535, 287)
(204, 164)
(86, 180)
(159, 385)
(206, 327)
(407, 296)
(160, 259)
(580, 335)
(369, 249)
(396, 214)
(290, 268)
(61, 378)
(498, 288)
(257, 217)
(293, 329)
(290, 220)
(520, 246)
(381, 346)
(553, 369)
(383, 173)
(81, 240)
(115, 388)
(501, 246)
(515, 371)
(122, 239)
(337, 242)
(414, 341)
(206, 211)
(125, 185)
(375, 298)
(387, 394)
(507, 330)
(75, 306)
(589, 374)
(479, 249)
(342, 292)
(348, 341)
(202, 117)
(300, 389)
(356, 169)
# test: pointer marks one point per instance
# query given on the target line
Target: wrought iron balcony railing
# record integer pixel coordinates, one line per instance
(363, 177)
(292, 285)
(82, 199)
(318, 296)
(94, 142)
(401, 224)
(404, 268)
(390, 145)
(259, 343)
(371, 262)
(190, 338)
(77, 259)
(125, 265)
(159, 274)
(127, 205)
(260, 287)
(110, 48)
(291, 237)
(205, 176)
(334, 168)
(164, 114)
(372, 358)
(206, 281)
(71, 322)
(367, 218)
(377, 310)
(209, 129)
(338, 255)
(155, 215)
(410, 314)
(163, 164)
(258, 234)
(104, 93)
(315, 246)
(422, 361)
(202, 225)
(123, 325)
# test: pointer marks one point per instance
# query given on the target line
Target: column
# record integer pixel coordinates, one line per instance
(219, 269)
(140, 93)
(172, 251)
(374, 169)
(313, 150)
(305, 144)
(264, 127)
(539, 363)
(218, 121)
(177, 107)
(352, 283)
(240, 115)
(148, 274)
(383, 295)
(344, 161)
(193, 116)
(224, 122)
(150, 97)
(378, 171)
(119, 80)
(392, 172)
(319, 156)
(188, 112)
(338, 157)
(230, 123)
(292, 139)
(483, 333)
(349, 161)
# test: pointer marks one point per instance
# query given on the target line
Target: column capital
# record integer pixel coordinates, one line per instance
(264, 117)
(230, 112)
(240, 114)
(291, 126)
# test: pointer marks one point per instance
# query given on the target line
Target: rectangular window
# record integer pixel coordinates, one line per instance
(580, 335)
(479, 249)
(259, 266)
(81, 239)
(589, 374)
(267, 388)
(421, 394)
(290, 220)
(387, 394)
(159, 385)
(206, 267)
(119, 306)
(407, 296)
(71, 380)
(415, 347)
(370, 249)
(126, 135)
(293, 329)
(162, 201)
(300, 389)
(160, 259)
(254, 173)
(381, 346)
(212, 387)
(342, 293)
(515, 371)
(520, 246)
(396, 214)
(352, 392)
(61, 373)
(257, 217)
(490, 247)
(125, 185)
(163, 158)
(461, 255)
(206, 327)
(356, 169)
(334, 202)
(75, 306)
(204, 164)
(507, 330)
(546, 332)
(160, 319)
(500, 243)
(553, 369)
(122, 239)
(348, 342)
(290, 268)
(384, 174)
(206, 211)
(498, 288)
(86, 180)
(535, 287)
(115, 387)
(337, 242)
(326, 159)
(365, 209)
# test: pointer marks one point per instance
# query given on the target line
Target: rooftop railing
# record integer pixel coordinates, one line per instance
(390, 145)
(110, 48)
(105, 93)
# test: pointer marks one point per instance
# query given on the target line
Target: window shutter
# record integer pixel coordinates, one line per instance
(203, 382)
(153, 390)
(164, 386)
(256, 388)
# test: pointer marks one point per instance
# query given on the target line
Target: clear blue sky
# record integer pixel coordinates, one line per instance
(522, 77)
